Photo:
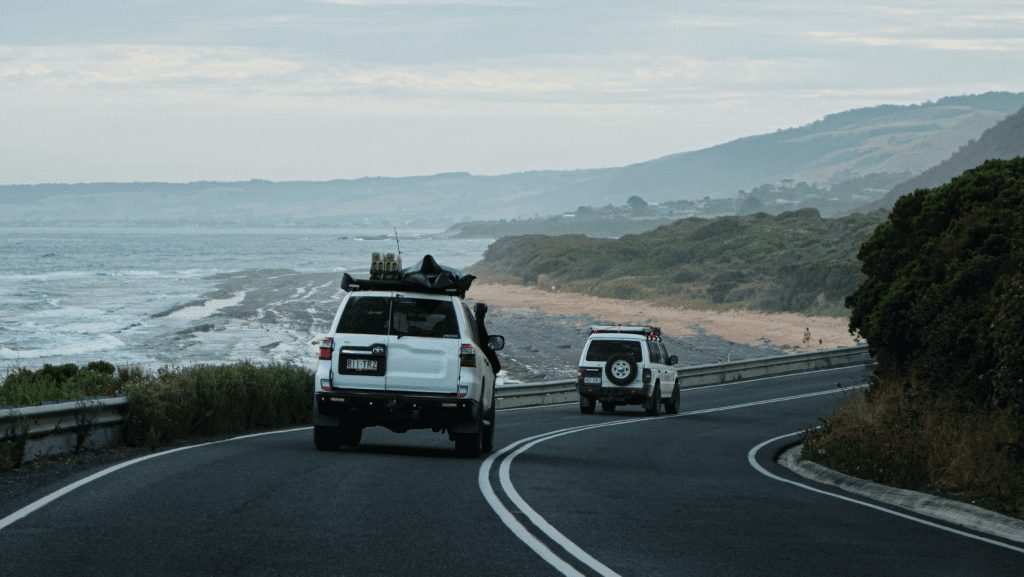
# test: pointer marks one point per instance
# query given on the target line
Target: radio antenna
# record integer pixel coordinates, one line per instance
(397, 243)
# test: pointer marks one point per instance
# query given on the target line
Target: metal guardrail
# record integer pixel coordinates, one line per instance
(62, 427)
(554, 392)
(66, 427)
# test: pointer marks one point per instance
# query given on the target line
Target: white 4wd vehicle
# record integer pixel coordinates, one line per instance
(622, 365)
(407, 354)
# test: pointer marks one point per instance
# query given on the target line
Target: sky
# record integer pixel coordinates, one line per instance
(185, 90)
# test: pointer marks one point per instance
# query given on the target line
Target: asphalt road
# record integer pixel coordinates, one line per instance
(564, 493)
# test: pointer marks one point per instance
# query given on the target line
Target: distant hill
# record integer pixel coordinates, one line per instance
(1003, 141)
(849, 145)
(796, 261)
(881, 139)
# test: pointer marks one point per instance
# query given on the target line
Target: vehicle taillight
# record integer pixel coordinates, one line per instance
(326, 348)
(647, 376)
(468, 356)
(579, 375)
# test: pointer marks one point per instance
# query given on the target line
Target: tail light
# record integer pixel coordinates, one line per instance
(467, 355)
(647, 376)
(579, 375)
(326, 348)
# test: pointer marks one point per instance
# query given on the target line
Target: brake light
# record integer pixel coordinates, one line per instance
(647, 376)
(467, 356)
(579, 375)
(326, 348)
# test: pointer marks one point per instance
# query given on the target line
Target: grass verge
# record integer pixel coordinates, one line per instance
(924, 444)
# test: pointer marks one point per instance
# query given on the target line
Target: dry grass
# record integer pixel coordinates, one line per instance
(892, 437)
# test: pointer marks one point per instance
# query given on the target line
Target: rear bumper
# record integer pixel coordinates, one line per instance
(397, 411)
(615, 394)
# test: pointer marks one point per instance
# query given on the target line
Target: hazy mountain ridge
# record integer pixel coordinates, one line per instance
(881, 139)
(1003, 141)
(841, 146)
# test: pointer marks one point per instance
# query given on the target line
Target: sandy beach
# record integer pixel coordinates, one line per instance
(780, 330)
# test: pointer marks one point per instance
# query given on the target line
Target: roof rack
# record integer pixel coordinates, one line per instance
(425, 277)
(653, 333)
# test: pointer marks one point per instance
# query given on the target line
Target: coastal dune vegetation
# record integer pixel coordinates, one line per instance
(795, 262)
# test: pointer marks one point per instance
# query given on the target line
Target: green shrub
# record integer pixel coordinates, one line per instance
(796, 261)
(942, 307)
(897, 436)
(101, 367)
(214, 400)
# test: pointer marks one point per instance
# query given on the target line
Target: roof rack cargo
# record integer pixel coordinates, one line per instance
(650, 332)
(425, 276)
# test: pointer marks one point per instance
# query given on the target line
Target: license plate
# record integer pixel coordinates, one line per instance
(360, 365)
(592, 380)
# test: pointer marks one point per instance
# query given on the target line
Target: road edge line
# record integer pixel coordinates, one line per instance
(752, 459)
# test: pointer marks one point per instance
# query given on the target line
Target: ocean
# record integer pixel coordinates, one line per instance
(177, 296)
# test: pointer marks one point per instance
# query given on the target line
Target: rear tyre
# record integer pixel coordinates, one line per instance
(672, 406)
(654, 401)
(326, 438)
(350, 436)
(587, 405)
(469, 445)
(487, 441)
(608, 407)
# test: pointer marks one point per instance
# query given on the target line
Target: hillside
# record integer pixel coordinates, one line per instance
(796, 261)
(1003, 141)
(848, 145)
(881, 139)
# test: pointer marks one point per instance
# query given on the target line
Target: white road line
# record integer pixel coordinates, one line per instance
(745, 381)
(752, 458)
(704, 387)
(40, 503)
(521, 446)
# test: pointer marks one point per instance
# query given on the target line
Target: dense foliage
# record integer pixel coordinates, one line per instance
(171, 404)
(67, 382)
(941, 303)
(216, 399)
(942, 306)
(796, 261)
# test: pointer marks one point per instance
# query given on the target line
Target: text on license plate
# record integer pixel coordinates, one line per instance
(360, 365)
(592, 380)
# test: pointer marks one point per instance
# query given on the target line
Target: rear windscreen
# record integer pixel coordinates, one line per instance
(408, 317)
(601, 350)
(365, 316)
(423, 318)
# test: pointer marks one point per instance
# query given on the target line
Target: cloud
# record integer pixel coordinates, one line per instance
(955, 44)
(84, 65)
(373, 3)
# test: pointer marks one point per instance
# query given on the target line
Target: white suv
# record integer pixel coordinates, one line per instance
(627, 365)
(407, 354)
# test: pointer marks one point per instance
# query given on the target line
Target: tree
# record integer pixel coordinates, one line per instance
(941, 305)
(637, 203)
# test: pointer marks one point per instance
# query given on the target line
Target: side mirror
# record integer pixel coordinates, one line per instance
(673, 360)
(495, 342)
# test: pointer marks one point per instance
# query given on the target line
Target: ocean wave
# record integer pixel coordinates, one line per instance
(208, 308)
(95, 344)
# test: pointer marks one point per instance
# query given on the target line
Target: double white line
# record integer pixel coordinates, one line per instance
(571, 551)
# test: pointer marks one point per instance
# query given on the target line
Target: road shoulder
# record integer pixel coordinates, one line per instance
(956, 512)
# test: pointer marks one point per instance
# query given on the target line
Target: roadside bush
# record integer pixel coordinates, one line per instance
(897, 437)
(942, 308)
(25, 387)
(216, 399)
